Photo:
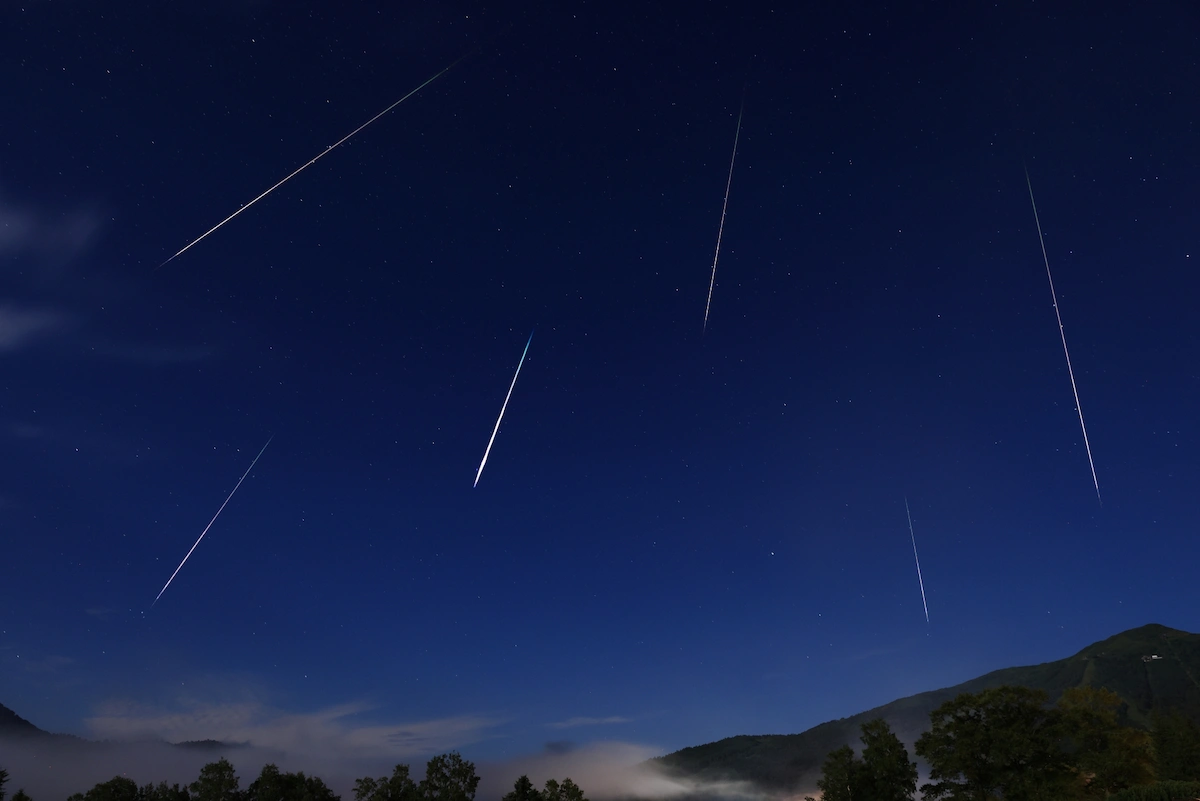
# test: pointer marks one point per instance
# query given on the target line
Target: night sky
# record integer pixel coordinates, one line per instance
(680, 535)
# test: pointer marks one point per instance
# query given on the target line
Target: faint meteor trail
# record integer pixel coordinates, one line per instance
(724, 206)
(502, 408)
(210, 522)
(1062, 333)
(308, 164)
(920, 580)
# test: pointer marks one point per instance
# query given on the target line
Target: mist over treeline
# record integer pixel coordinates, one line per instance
(448, 777)
(57, 767)
(1005, 742)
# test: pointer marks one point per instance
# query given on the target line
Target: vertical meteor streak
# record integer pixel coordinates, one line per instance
(1062, 333)
(721, 230)
(920, 580)
(210, 522)
(308, 164)
(479, 472)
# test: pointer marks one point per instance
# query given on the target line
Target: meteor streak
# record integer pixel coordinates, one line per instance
(210, 522)
(308, 164)
(1062, 333)
(721, 229)
(920, 580)
(502, 408)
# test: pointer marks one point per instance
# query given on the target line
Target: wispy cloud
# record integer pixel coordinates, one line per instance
(48, 236)
(572, 723)
(40, 252)
(77, 435)
(327, 732)
(23, 657)
(20, 327)
(26, 430)
(153, 355)
(49, 663)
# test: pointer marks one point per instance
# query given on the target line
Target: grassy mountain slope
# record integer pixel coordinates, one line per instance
(1123, 663)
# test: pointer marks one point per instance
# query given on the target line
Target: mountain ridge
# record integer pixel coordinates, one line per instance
(14, 726)
(1152, 667)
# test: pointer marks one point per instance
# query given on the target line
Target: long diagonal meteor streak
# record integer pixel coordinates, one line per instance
(721, 230)
(920, 580)
(210, 522)
(479, 472)
(1062, 333)
(308, 164)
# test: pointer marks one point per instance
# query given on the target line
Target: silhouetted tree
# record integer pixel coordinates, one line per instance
(523, 790)
(3, 781)
(1177, 746)
(570, 791)
(1108, 757)
(316, 790)
(886, 773)
(20, 795)
(1003, 742)
(567, 791)
(161, 792)
(217, 782)
(839, 776)
(118, 788)
(271, 785)
(449, 777)
(1159, 791)
(398, 787)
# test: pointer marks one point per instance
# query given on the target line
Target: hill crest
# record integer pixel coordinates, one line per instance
(14, 726)
(1152, 668)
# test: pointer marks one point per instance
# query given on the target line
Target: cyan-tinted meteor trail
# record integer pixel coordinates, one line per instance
(308, 164)
(1062, 333)
(479, 472)
(721, 230)
(210, 522)
(920, 580)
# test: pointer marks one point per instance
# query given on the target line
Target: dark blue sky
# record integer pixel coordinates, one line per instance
(687, 536)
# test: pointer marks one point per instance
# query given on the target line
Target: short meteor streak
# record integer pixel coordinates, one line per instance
(1062, 333)
(308, 164)
(920, 580)
(502, 408)
(210, 522)
(721, 230)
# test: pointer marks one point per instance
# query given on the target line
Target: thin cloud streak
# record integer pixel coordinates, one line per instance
(55, 237)
(571, 723)
(152, 355)
(328, 732)
(20, 327)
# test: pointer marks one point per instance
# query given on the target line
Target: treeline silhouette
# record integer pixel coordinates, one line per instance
(448, 777)
(1009, 743)
(1006, 743)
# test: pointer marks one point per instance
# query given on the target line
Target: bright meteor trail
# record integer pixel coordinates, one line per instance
(1062, 333)
(721, 229)
(308, 164)
(502, 408)
(210, 522)
(920, 580)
